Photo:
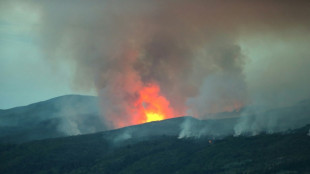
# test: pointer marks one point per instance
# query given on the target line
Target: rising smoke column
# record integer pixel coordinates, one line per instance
(188, 49)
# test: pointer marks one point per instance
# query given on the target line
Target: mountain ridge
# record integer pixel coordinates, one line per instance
(59, 116)
(78, 114)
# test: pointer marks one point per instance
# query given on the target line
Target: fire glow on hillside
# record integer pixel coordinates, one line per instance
(151, 105)
(148, 105)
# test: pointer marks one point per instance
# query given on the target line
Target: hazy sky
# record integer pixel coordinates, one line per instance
(275, 61)
(25, 76)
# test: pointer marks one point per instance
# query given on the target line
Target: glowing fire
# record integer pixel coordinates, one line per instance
(151, 106)
(154, 117)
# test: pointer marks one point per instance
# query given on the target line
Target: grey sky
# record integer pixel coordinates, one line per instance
(25, 77)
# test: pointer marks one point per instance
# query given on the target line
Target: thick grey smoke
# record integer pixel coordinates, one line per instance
(121, 47)
(192, 49)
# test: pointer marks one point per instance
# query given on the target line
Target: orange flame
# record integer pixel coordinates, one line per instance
(151, 106)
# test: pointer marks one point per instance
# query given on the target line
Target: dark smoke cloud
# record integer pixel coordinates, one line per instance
(190, 48)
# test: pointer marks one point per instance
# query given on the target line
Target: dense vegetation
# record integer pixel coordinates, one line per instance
(265, 153)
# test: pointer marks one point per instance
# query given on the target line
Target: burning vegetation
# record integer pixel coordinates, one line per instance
(152, 106)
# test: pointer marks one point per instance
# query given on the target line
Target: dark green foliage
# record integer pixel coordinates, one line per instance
(276, 153)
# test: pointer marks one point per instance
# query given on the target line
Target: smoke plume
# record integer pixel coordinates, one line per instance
(194, 51)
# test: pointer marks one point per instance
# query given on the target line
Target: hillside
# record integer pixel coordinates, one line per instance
(77, 115)
(206, 146)
(57, 117)
(266, 153)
